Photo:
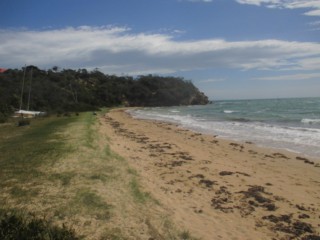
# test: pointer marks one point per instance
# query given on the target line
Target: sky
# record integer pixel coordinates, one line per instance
(229, 49)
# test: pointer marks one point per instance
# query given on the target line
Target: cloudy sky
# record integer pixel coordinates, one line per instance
(230, 49)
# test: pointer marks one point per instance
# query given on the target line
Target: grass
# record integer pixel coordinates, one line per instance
(24, 150)
(185, 235)
(31, 147)
(110, 154)
(113, 234)
(64, 177)
(19, 192)
(132, 172)
(64, 168)
(174, 234)
(87, 202)
(91, 200)
(100, 176)
(90, 132)
(137, 194)
(17, 225)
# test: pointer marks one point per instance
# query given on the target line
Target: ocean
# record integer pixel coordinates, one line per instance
(291, 124)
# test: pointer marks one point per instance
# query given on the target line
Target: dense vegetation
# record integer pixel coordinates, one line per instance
(81, 90)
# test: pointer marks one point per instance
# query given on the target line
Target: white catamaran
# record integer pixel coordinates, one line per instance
(27, 113)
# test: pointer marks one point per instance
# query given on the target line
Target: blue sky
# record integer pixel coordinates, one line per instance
(230, 49)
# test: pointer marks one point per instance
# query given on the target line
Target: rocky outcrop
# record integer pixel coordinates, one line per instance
(199, 99)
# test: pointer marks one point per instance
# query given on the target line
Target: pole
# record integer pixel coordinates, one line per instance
(22, 88)
(30, 90)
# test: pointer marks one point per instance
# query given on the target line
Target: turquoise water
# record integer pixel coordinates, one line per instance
(292, 124)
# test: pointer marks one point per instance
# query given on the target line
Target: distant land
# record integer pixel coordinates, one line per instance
(67, 90)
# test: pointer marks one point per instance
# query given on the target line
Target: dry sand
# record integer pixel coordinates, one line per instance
(219, 189)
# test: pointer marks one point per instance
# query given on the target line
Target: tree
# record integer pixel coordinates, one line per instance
(70, 90)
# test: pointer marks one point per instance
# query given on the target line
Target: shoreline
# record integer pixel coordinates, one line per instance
(272, 140)
(216, 188)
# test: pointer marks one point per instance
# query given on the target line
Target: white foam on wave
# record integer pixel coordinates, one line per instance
(228, 111)
(157, 115)
(297, 139)
(293, 139)
(310, 121)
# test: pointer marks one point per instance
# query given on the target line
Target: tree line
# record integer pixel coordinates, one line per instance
(67, 90)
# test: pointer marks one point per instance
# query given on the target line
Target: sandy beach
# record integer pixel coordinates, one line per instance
(219, 189)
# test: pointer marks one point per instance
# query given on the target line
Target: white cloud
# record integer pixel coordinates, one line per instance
(293, 77)
(118, 50)
(313, 13)
(312, 5)
(253, 2)
(308, 64)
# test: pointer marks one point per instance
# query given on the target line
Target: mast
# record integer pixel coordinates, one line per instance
(30, 90)
(22, 88)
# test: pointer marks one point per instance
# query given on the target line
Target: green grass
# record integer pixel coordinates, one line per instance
(137, 194)
(103, 111)
(64, 177)
(91, 134)
(19, 192)
(132, 171)
(112, 155)
(100, 176)
(89, 202)
(25, 149)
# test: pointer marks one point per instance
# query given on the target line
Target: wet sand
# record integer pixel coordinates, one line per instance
(219, 189)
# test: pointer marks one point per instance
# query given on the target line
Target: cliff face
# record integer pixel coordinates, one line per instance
(199, 99)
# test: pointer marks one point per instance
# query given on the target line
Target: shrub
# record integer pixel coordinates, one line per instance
(23, 122)
(14, 225)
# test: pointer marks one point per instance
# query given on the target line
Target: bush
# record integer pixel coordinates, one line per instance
(3, 117)
(23, 122)
(15, 225)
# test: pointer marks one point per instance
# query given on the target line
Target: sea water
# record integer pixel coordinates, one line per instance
(291, 124)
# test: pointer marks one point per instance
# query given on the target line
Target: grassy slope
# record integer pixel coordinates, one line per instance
(63, 170)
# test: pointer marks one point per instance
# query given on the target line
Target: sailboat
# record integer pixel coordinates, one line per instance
(27, 113)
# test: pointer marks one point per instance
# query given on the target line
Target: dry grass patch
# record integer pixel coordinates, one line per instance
(66, 173)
